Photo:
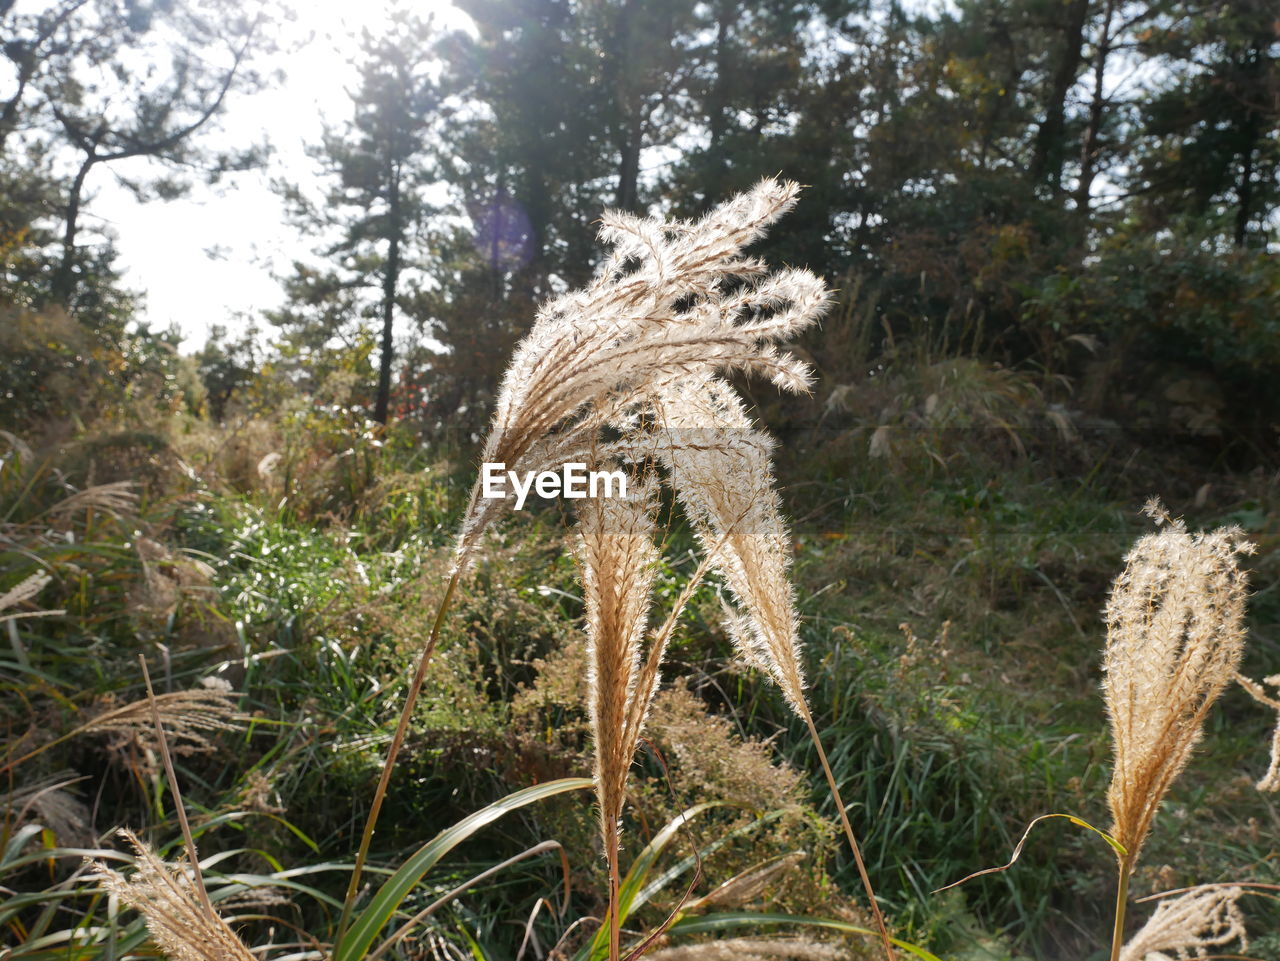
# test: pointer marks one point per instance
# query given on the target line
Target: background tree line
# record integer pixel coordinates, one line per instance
(1086, 188)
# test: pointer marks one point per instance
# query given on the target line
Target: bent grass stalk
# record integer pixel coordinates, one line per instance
(397, 741)
(876, 913)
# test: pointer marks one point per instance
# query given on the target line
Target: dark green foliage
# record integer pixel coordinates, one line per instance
(1210, 150)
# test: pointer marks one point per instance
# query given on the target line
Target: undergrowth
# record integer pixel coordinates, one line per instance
(956, 531)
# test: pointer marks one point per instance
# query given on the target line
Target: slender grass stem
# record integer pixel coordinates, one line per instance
(1122, 904)
(615, 921)
(849, 835)
(397, 740)
(187, 837)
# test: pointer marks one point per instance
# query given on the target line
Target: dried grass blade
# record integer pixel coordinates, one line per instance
(1017, 851)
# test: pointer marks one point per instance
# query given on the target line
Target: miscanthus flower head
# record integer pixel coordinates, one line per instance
(642, 352)
(1189, 926)
(182, 922)
(675, 302)
(1175, 635)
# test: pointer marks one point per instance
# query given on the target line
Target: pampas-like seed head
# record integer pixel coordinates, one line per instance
(118, 497)
(674, 308)
(24, 590)
(721, 468)
(1271, 780)
(1175, 634)
(183, 926)
(618, 557)
(48, 801)
(753, 949)
(188, 717)
(675, 300)
(1187, 926)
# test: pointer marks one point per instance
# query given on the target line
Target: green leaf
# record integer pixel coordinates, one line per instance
(663, 879)
(473, 945)
(364, 929)
(630, 889)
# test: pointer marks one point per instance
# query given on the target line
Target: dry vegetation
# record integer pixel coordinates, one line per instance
(344, 638)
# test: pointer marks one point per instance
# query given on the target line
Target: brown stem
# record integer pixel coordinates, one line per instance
(849, 836)
(187, 836)
(397, 741)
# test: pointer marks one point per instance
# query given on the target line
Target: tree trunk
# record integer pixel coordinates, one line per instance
(390, 279)
(63, 285)
(717, 106)
(1046, 164)
(1252, 134)
(629, 103)
(1245, 191)
(1090, 149)
(9, 113)
(629, 165)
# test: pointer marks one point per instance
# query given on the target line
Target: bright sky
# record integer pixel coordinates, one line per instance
(204, 259)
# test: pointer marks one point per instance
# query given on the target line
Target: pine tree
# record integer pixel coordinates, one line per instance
(374, 208)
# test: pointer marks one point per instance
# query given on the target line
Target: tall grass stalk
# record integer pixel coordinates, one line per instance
(393, 752)
(1175, 636)
(1124, 870)
(876, 913)
(187, 837)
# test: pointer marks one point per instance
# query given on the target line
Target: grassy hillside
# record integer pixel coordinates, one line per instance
(955, 534)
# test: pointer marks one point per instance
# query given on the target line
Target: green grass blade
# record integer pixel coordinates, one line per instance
(370, 921)
(633, 884)
(684, 864)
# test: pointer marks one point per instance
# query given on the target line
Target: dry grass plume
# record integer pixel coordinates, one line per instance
(183, 925)
(1191, 925)
(1175, 635)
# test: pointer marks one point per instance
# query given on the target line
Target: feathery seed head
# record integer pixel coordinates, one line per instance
(1271, 780)
(641, 353)
(720, 467)
(618, 557)
(675, 300)
(47, 801)
(181, 924)
(189, 717)
(118, 497)
(1187, 926)
(1175, 634)
(25, 590)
